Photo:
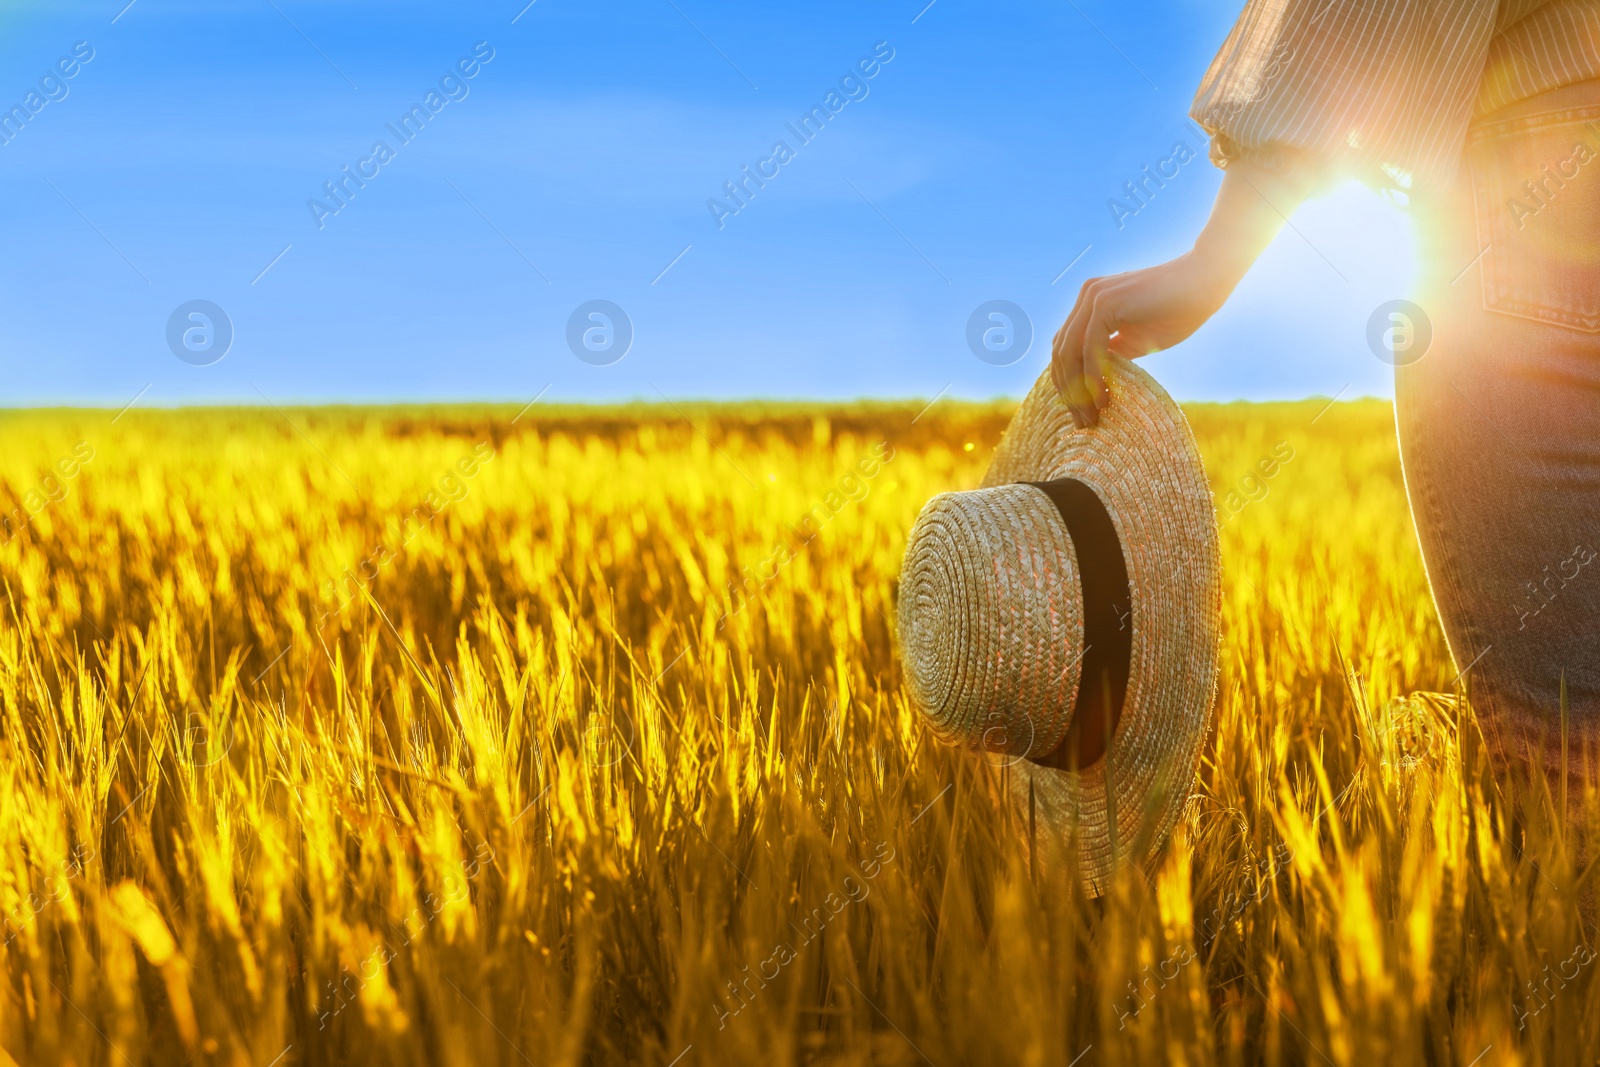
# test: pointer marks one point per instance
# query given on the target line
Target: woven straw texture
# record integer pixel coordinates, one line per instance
(1143, 461)
(991, 619)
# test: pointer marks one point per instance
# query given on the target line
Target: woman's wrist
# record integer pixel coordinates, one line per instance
(1251, 207)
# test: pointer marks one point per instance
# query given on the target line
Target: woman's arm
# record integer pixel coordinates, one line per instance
(1144, 311)
(1313, 87)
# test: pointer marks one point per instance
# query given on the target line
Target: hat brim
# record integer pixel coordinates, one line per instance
(1143, 462)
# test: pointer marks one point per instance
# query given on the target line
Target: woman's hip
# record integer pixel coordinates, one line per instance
(1499, 419)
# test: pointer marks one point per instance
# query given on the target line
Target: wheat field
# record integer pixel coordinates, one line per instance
(462, 736)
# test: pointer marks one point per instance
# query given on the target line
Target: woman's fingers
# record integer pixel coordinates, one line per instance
(1067, 358)
(1096, 341)
(1064, 354)
(1058, 362)
(1095, 326)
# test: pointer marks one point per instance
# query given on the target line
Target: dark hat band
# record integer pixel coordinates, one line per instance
(1107, 623)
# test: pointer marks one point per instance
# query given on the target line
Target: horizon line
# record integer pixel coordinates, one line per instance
(637, 401)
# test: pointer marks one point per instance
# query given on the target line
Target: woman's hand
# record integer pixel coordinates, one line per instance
(1132, 315)
(1144, 311)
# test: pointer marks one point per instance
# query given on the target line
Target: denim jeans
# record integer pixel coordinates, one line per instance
(1499, 424)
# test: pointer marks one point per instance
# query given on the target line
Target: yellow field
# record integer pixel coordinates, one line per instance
(429, 737)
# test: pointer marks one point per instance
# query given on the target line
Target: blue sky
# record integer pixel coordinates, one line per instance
(576, 165)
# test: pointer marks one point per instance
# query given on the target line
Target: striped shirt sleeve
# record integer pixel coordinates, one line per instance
(1379, 90)
(1542, 45)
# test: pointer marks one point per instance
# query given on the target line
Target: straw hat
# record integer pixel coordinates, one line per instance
(1079, 585)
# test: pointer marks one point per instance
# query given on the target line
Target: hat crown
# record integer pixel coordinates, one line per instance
(991, 619)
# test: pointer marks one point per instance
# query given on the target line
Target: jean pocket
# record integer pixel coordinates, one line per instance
(1536, 191)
